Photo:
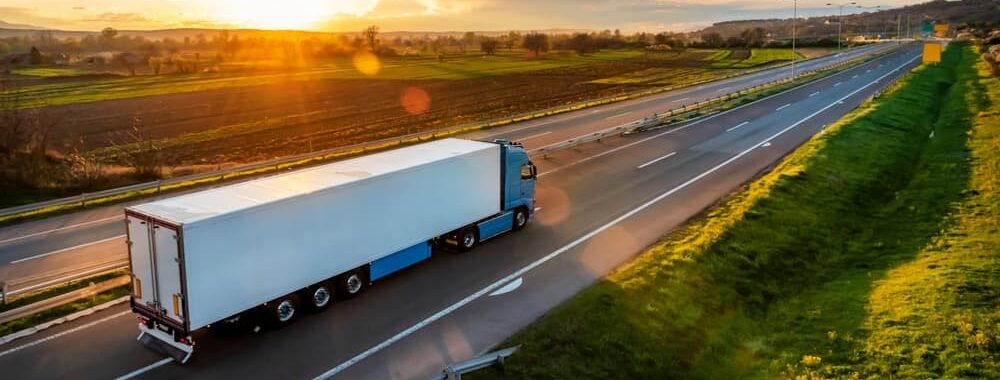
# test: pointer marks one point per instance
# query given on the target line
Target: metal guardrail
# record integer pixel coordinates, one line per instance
(594, 136)
(83, 199)
(62, 299)
(455, 371)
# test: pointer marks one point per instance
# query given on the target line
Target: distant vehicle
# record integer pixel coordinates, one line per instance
(270, 248)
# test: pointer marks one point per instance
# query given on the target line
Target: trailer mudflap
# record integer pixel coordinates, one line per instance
(164, 343)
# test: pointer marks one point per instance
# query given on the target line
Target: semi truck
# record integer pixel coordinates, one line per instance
(272, 248)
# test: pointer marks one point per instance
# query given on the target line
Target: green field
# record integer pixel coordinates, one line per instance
(404, 68)
(870, 252)
(758, 57)
(47, 72)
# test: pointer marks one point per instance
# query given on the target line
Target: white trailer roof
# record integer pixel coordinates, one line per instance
(227, 199)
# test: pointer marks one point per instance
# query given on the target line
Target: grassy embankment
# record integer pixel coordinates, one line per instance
(870, 252)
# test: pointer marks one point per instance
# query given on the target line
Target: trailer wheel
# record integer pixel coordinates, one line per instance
(351, 284)
(283, 311)
(520, 218)
(467, 239)
(319, 296)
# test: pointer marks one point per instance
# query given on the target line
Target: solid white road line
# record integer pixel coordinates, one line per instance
(681, 100)
(618, 115)
(67, 249)
(737, 126)
(520, 272)
(145, 369)
(783, 107)
(59, 229)
(656, 160)
(70, 331)
(814, 94)
(724, 88)
(533, 136)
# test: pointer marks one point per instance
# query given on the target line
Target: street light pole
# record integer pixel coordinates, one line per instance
(795, 16)
(840, 21)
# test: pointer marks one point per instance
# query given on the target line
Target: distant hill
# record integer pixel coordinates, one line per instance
(12, 30)
(7, 25)
(956, 13)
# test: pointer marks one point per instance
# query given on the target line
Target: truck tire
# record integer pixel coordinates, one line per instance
(283, 311)
(468, 238)
(351, 284)
(520, 218)
(319, 297)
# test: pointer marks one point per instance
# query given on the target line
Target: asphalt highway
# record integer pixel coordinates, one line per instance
(41, 252)
(601, 203)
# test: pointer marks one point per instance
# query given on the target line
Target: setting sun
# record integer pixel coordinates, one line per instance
(288, 14)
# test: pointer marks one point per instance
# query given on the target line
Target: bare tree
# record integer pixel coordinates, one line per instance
(489, 45)
(713, 39)
(141, 152)
(511, 40)
(581, 43)
(85, 168)
(536, 42)
(468, 38)
(13, 127)
(371, 37)
(155, 64)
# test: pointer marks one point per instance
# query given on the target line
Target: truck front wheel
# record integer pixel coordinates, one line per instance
(467, 239)
(351, 284)
(520, 218)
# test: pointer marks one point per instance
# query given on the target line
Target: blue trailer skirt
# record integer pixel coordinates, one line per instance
(399, 260)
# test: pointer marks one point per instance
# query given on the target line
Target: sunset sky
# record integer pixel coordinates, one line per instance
(410, 15)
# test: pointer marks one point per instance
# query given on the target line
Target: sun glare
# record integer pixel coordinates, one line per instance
(289, 14)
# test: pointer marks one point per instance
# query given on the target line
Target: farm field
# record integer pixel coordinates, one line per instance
(204, 121)
(69, 91)
(870, 252)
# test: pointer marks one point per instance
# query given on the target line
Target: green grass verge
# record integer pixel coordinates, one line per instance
(64, 310)
(870, 252)
(59, 290)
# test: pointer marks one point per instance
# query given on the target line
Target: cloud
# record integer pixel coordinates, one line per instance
(120, 18)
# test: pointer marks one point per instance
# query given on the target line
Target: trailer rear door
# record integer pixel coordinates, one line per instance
(141, 258)
(166, 247)
(154, 253)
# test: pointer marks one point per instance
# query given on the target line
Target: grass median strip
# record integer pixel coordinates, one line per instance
(870, 252)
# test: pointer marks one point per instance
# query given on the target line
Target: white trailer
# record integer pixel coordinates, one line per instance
(267, 244)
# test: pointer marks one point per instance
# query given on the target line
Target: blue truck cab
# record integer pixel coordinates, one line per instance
(517, 200)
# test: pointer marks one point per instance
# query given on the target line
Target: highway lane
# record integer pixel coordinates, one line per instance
(73, 234)
(619, 206)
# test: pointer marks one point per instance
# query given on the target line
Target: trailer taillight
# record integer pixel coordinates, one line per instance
(177, 305)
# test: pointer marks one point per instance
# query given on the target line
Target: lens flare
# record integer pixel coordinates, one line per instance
(367, 63)
(415, 100)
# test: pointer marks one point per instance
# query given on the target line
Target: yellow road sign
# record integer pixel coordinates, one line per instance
(941, 30)
(932, 52)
